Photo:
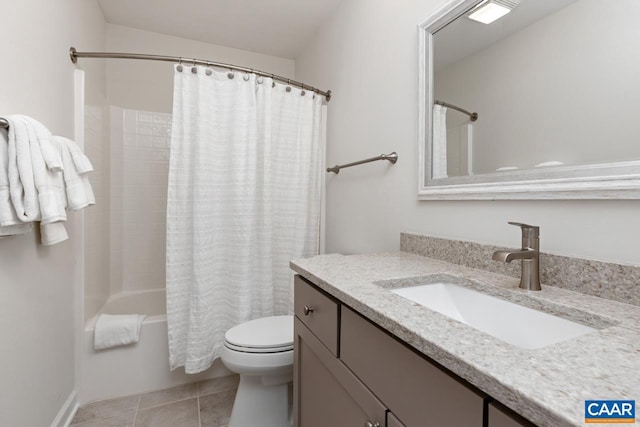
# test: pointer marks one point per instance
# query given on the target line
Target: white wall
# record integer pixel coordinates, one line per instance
(367, 54)
(148, 85)
(37, 283)
(557, 71)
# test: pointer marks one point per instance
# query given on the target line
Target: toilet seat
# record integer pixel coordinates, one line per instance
(265, 335)
(258, 349)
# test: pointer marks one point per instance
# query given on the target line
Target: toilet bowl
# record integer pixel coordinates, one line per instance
(261, 352)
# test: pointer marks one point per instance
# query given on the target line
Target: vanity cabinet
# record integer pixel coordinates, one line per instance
(325, 392)
(419, 392)
(350, 372)
(501, 416)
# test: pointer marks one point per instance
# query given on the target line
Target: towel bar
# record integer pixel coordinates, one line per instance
(392, 157)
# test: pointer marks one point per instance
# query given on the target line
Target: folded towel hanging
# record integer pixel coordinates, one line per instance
(78, 189)
(20, 170)
(115, 330)
(45, 140)
(36, 183)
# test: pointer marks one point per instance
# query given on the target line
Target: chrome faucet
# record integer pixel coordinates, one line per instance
(529, 254)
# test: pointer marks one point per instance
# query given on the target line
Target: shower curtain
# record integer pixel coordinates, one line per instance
(244, 198)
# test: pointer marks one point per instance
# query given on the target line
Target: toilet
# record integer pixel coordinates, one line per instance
(261, 351)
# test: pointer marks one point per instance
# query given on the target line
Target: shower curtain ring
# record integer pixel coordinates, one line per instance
(288, 89)
(179, 67)
(194, 69)
(208, 72)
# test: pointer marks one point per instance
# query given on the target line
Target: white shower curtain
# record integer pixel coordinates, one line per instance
(244, 198)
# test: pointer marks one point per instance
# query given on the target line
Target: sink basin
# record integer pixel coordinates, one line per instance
(513, 323)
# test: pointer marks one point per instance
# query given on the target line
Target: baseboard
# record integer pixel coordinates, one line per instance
(67, 412)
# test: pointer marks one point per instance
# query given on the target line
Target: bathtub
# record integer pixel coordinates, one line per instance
(139, 367)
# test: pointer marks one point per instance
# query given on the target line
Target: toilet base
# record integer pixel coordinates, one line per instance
(260, 404)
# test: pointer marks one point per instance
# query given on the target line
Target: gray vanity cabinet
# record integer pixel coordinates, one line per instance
(392, 421)
(500, 416)
(349, 372)
(417, 391)
(325, 392)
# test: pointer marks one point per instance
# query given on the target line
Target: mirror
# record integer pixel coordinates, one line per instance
(538, 104)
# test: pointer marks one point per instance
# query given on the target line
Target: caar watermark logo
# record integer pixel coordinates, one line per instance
(610, 411)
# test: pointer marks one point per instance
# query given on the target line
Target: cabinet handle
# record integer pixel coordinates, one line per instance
(370, 424)
(308, 309)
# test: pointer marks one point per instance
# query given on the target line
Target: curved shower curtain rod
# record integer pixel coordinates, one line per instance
(74, 54)
(472, 116)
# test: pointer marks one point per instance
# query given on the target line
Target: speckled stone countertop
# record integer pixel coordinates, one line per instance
(547, 386)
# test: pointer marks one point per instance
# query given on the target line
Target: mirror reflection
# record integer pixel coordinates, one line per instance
(554, 83)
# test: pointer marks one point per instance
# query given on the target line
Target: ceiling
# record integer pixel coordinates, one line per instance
(273, 27)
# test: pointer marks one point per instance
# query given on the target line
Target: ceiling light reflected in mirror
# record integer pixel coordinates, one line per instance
(492, 10)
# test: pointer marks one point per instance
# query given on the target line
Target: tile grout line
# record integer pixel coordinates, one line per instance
(135, 417)
(170, 402)
(198, 401)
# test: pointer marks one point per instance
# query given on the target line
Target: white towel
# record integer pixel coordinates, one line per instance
(20, 171)
(36, 184)
(10, 224)
(50, 155)
(49, 184)
(439, 143)
(83, 165)
(14, 230)
(52, 233)
(78, 189)
(115, 330)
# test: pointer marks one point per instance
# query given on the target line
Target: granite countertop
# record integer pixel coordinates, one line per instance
(547, 385)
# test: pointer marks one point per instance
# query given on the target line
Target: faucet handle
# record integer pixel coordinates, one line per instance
(527, 230)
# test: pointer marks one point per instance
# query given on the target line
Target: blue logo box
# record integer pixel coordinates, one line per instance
(610, 411)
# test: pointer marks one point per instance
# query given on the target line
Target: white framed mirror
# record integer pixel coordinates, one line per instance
(555, 89)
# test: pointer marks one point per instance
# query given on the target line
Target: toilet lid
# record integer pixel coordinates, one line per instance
(267, 334)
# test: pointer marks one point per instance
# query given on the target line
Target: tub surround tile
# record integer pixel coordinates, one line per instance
(215, 409)
(217, 385)
(169, 395)
(547, 385)
(183, 414)
(106, 409)
(602, 279)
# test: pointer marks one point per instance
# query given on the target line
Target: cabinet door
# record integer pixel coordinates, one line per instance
(325, 392)
(501, 416)
(416, 390)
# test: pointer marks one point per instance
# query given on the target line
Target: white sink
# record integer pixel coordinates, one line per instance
(513, 323)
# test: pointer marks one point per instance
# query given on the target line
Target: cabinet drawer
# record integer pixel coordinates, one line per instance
(417, 391)
(318, 311)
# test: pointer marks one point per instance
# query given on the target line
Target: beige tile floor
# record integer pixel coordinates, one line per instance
(204, 404)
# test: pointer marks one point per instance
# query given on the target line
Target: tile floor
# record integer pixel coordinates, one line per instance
(204, 404)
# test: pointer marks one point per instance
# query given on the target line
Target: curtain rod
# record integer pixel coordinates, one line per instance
(74, 54)
(473, 116)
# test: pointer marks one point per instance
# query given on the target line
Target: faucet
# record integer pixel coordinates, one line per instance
(529, 254)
